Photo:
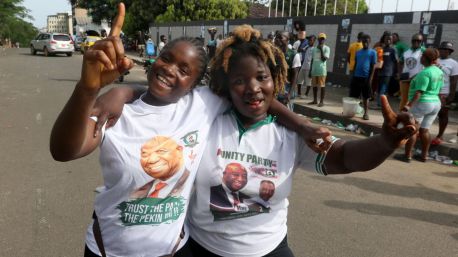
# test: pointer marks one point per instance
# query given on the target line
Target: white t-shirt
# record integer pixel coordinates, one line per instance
(308, 58)
(297, 61)
(133, 221)
(160, 47)
(450, 68)
(242, 223)
(296, 45)
(412, 63)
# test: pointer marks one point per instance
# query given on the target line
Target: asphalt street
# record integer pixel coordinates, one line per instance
(397, 209)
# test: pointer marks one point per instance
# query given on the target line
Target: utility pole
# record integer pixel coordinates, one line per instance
(290, 4)
(305, 11)
(346, 3)
(283, 9)
(314, 12)
(298, 1)
(335, 4)
(276, 8)
(411, 5)
(325, 4)
(429, 6)
(270, 5)
(381, 8)
(357, 5)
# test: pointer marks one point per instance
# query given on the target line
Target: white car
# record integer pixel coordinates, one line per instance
(52, 43)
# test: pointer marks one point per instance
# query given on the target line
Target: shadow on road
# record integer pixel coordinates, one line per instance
(71, 80)
(438, 218)
(398, 190)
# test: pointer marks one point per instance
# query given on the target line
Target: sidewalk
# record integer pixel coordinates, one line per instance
(332, 110)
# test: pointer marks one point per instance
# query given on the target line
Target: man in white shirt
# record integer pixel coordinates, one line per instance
(161, 44)
(447, 94)
(303, 78)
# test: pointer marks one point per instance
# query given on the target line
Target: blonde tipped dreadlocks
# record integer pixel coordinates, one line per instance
(246, 41)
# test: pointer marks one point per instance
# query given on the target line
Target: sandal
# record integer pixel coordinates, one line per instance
(419, 158)
(436, 141)
(402, 158)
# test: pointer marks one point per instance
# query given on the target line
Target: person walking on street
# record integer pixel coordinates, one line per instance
(424, 103)
(399, 45)
(365, 60)
(161, 45)
(410, 65)
(351, 53)
(390, 61)
(447, 94)
(318, 69)
(293, 61)
(303, 76)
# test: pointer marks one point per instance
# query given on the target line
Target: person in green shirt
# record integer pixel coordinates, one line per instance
(400, 46)
(318, 69)
(424, 103)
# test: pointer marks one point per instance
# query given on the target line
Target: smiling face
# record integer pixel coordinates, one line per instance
(174, 73)
(235, 177)
(161, 157)
(251, 88)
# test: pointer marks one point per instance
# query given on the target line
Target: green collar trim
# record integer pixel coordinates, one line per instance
(242, 130)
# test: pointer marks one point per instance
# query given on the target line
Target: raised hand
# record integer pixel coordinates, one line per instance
(397, 128)
(105, 60)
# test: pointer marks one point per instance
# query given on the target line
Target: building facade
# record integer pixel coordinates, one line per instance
(60, 23)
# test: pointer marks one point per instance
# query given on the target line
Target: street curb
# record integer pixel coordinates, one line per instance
(443, 149)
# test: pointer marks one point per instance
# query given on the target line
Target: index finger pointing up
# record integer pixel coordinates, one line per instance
(387, 112)
(116, 26)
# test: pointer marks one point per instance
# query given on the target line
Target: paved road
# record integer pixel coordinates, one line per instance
(45, 206)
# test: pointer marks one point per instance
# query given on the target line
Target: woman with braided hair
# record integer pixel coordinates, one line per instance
(240, 203)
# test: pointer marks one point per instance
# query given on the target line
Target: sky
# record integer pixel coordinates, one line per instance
(40, 9)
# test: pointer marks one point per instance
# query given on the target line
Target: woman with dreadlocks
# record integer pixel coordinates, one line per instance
(240, 204)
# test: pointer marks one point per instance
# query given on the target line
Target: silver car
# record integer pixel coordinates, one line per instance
(52, 43)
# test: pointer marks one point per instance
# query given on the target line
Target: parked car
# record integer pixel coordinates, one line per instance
(52, 43)
(78, 41)
(88, 42)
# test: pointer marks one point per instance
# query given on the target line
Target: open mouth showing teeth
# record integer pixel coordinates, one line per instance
(254, 102)
(163, 80)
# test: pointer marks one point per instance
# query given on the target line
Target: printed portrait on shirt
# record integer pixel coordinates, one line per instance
(228, 199)
(162, 159)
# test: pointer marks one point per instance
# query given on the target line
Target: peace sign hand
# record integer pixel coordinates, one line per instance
(397, 128)
(105, 60)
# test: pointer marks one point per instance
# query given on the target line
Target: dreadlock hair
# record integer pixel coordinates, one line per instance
(246, 41)
(201, 54)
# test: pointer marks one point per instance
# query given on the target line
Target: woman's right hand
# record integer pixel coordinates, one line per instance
(105, 60)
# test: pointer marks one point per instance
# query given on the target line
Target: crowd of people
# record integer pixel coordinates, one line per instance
(207, 171)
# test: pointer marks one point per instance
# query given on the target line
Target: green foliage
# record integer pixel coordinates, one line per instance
(140, 13)
(340, 8)
(188, 10)
(12, 24)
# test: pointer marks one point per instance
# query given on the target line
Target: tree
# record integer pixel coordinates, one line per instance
(140, 13)
(340, 7)
(12, 24)
(188, 10)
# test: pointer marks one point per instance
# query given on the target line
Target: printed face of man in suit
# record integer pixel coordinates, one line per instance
(266, 190)
(235, 176)
(161, 157)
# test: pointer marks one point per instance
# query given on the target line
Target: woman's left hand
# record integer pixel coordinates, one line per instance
(397, 127)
